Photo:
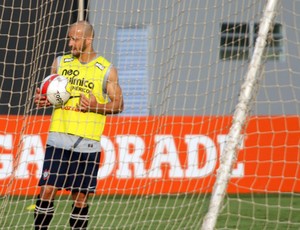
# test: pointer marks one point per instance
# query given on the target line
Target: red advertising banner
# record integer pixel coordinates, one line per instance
(162, 155)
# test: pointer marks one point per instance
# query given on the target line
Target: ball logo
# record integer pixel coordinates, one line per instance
(58, 98)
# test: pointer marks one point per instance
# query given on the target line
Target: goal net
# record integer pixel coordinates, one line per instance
(184, 68)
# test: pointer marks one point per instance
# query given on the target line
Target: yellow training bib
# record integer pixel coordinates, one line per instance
(83, 79)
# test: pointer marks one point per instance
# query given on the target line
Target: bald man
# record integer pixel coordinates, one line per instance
(73, 147)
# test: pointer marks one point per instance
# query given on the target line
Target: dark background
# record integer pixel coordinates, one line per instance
(32, 34)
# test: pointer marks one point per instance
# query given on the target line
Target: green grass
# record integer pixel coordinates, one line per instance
(272, 212)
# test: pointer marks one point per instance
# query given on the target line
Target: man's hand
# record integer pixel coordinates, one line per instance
(40, 100)
(87, 104)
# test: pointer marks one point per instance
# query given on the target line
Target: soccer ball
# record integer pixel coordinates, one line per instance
(54, 87)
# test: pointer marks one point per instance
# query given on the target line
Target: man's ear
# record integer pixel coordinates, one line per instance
(89, 40)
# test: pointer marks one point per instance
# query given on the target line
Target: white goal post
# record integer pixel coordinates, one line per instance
(247, 96)
(209, 135)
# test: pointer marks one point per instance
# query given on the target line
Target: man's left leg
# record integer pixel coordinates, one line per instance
(80, 211)
(85, 166)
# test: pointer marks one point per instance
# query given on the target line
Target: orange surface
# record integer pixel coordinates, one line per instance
(161, 155)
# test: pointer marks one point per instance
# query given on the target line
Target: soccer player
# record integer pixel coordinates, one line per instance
(73, 147)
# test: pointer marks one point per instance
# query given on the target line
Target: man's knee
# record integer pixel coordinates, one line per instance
(48, 192)
(80, 199)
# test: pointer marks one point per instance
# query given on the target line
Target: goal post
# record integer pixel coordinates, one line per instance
(209, 135)
(80, 10)
(247, 96)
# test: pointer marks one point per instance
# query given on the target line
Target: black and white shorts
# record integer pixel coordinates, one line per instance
(74, 171)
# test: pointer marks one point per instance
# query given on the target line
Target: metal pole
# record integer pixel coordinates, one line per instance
(80, 10)
(248, 93)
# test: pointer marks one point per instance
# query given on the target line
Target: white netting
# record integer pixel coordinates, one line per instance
(181, 65)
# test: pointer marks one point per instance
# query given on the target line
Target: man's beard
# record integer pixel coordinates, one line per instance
(77, 53)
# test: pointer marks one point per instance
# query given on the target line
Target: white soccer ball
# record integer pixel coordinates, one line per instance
(55, 88)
